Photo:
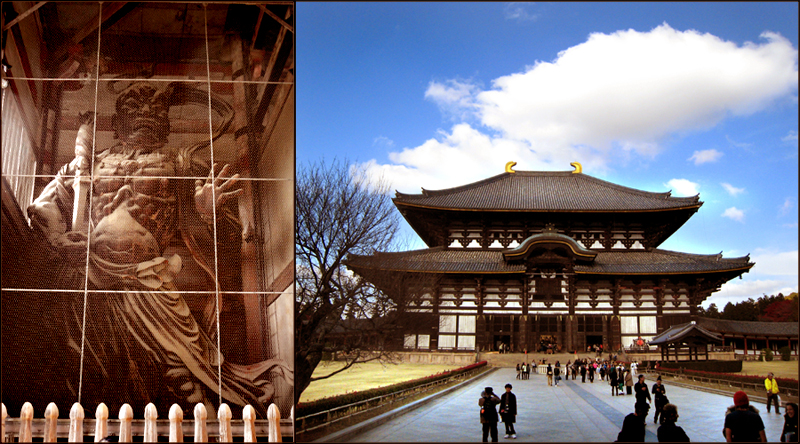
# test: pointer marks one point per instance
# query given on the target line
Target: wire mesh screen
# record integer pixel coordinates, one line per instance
(152, 258)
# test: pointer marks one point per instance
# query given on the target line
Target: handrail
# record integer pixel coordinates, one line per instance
(758, 386)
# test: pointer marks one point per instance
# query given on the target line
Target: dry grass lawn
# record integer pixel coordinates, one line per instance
(365, 376)
(781, 369)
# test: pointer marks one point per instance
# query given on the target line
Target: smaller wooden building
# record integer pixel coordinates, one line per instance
(748, 338)
(685, 340)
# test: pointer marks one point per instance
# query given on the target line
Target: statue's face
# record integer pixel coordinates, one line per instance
(142, 117)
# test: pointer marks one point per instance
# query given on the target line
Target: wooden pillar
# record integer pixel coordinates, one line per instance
(250, 261)
(570, 328)
(745, 346)
(524, 332)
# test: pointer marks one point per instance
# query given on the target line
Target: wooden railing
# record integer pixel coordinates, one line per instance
(78, 427)
(722, 383)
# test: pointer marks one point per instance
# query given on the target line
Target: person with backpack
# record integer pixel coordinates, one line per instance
(489, 418)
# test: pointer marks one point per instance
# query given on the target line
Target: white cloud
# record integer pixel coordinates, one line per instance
(383, 142)
(519, 11)
(705, 156)
(603, 102)
(743, 145)
(736, 291)
(790, 138)
(454, 98)
(683, 187)
(732, 190)
(734, 213)
(775, 263)
(787, 206)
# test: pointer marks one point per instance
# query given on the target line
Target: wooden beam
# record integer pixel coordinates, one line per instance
(23, 15)
(277, 19)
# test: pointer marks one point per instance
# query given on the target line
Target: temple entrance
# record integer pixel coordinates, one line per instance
(502, 343)
(547, 344)
(594, 340)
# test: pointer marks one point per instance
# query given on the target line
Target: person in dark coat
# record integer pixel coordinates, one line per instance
(612, 380)
(489, 417)
(642, 396)
(659, 399)
(583, 372)
(508, 412)
(789, 433)
(668, 431)
(633, 428)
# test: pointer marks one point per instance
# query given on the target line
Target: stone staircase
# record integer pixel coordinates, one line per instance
(510, 360)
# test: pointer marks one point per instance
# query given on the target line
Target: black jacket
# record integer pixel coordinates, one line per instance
(508, 406)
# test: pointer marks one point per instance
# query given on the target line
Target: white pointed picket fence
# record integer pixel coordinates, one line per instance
(51, 428)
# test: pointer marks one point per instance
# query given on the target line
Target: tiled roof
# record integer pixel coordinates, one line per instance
(661, 261)
(750, 328)
(545, 191)
(681, 331)
(465, 260)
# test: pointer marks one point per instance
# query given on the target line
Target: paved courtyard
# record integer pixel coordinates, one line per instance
(571, 412)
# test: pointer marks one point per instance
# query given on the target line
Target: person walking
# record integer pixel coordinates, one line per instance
(642, 396)
(567, 370)
(668, 431)
(771, 385)
(592, 369)
(524, 369)
(612, 380)
(659, 399)
(789, 433)
(743, 423)
(487, 402)
(549, 375)
(508, 412)
(628, 382)
(518, 371)
(583, 372)
(557, 373)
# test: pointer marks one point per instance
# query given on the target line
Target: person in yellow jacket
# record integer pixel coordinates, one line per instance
(772, 393)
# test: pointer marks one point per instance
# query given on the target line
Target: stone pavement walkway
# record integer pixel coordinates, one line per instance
(571, 412)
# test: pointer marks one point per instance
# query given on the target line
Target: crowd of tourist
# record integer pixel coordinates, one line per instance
(742, 420)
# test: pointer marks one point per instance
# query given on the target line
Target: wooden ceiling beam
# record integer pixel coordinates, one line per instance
(277, 19)
(20, 17)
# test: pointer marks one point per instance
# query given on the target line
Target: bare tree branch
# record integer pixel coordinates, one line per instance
(340, 211)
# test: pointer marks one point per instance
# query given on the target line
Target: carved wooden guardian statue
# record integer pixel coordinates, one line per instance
(141, 339)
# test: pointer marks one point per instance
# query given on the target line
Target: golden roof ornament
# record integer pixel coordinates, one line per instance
(577, 166)
(510, 166)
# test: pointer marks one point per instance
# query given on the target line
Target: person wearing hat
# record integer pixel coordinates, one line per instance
(489, 418)
(508, 412)
(659, 399)
(743, 423)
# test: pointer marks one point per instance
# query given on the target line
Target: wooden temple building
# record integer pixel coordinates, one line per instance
(526, 260)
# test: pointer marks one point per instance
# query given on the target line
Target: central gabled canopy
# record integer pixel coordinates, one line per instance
(550, 240)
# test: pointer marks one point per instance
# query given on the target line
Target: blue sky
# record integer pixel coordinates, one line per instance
(689, 97)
